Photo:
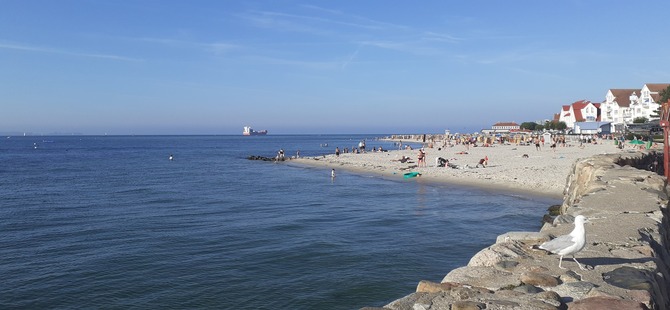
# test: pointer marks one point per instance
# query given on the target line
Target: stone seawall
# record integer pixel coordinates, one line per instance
(627, 250)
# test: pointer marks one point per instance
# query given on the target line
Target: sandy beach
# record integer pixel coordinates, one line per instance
(518, 168)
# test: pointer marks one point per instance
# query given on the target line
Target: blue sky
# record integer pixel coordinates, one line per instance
(301, 67)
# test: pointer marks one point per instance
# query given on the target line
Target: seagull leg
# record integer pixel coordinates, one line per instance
(560, 260)
(578, 264)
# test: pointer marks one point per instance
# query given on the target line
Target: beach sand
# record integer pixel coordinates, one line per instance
(542, 173)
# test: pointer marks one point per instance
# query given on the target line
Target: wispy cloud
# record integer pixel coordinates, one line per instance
(320, 20)
(49, 50)
(413, 48)
(279, 22)
(354, 29)
(216, 47)
(315, 24)
(349, 59)
(542, 55)
(320, 65)
(358, 21)
(441, 37)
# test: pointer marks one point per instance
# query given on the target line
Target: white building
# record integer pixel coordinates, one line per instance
(616, 107)
(623, 106)
(579, 111)
(505, 127)
(647, 104)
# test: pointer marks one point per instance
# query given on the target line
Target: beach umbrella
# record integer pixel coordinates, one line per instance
(636, 141)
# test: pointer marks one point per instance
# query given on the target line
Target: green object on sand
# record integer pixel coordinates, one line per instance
(411, 175)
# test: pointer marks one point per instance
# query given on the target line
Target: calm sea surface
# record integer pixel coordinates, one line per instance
(110, 222)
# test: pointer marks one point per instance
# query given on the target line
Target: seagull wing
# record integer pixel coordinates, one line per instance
(558, 244)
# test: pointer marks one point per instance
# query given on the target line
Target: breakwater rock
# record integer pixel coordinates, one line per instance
(264, 158)
(627, 250)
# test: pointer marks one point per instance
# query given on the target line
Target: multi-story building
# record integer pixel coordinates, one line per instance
(647, 104)
(620, 108)
(579, 111)
(616, 107)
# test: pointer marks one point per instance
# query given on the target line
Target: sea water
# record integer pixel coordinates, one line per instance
(111, 222)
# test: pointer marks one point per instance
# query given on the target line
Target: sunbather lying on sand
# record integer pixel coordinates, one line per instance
(404, 159)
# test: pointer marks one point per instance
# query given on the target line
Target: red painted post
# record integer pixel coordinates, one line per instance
(666, 149)
(665, 124)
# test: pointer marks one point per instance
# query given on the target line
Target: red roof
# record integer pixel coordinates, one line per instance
(622, 96)
(577, 106)
(506, 124)
(656, 88)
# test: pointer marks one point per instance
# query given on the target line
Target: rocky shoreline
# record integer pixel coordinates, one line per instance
(627, 250)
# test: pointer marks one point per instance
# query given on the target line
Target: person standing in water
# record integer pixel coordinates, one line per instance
(332, 173)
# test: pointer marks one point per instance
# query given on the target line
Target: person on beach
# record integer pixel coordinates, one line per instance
(483, 162)
(337, 152)
(421, 158)
(403, 159)
(332, 173)
(537, 144)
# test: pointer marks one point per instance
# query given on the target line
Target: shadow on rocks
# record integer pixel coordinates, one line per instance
(602, 261)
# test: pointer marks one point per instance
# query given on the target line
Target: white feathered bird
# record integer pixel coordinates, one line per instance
(568, 244)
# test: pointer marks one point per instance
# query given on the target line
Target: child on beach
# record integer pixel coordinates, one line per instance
(483, 162)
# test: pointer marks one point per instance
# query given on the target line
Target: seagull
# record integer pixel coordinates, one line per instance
(568, 244)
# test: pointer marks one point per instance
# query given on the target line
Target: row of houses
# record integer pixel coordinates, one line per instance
(619, 109)
(616, 113)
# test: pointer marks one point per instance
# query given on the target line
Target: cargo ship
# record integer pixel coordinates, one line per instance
(248, 131)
